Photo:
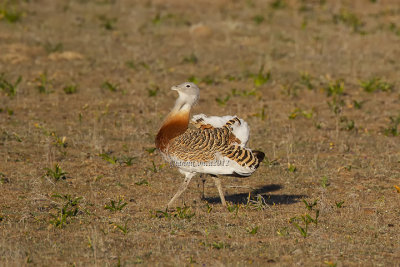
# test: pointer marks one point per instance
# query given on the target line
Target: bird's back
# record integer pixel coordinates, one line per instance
(207, 145)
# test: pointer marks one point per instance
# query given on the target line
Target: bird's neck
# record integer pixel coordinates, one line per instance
(174, 125)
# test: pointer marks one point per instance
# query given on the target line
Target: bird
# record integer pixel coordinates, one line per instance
(211, 145)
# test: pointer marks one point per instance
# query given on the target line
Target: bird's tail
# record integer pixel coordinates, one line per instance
(259, 155)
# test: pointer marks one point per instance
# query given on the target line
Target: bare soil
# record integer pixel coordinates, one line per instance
(317, 81)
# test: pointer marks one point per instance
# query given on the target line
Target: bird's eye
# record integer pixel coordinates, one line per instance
(187, 85)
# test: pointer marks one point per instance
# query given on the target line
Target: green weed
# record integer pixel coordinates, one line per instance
(349, 19)
(184, 213)
(335, 88)
(310, 206)
(9, 88)
(261, 114)
(56, 173)
(108, 23)
(252, 230)
(11, 15)
(152, 92)
(393, 128)
(142, 182)
(70, 89)
(115, 206)
(306, 220)
(107, 157)
(109, 86)
(123, 228)
(325, 182)
(222, 101)
(305, 79)
(233, 209)
(278, 4)
(394, 28)
(283, 231)
(67, 210)
(261, 78)
(298, 111)
(43, 84)
(339, 204)
(291, 167)
(347, 124)
(258, 19)
(192, 59)
(150, 150)
(376, 84)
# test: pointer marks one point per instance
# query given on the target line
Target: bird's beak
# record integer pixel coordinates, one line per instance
(175, 88)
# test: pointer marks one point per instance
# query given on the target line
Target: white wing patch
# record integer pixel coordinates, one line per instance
(241, 131)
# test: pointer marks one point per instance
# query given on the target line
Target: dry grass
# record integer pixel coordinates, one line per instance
(316, 80)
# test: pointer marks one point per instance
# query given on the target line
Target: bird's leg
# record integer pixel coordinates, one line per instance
(182, 188)
(221, 193)
(203, 179)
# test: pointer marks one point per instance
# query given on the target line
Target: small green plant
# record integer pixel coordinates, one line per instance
(310, 206)
(9, 88)
(305, 79)
(260, 114)
(4, 179)
(53, 48)
(43, 84)
(298, 111)
(350, 20)
(339, 204)
(393, 128)
(358, 104)
(278, 4)
(67, 210)
(150, 150)
(258, 19)
(109, 86)
(192, 59)
(107, 157)
(56, 173)
(209, 207)
(108, 23)
(283, 231)
(11, 15)
(376, 84)
(261, 78)
(153, 168)
(115, 206)
(123, 228)
(306, 219)
(184, 212)
(152, 92)
(222, 101)
(194, 79)
(128, 161)
(291, 167)
(347, 124)
(252, 230)
(335, 88)
(142, 182)
(233, 209)
(70, 89)
(394, 28)
(325, 182)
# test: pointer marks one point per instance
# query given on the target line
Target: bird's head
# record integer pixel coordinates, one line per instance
(188, 93)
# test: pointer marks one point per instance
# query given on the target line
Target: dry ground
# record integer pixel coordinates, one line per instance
(95, 79)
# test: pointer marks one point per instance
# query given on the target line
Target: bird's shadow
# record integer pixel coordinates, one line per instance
(264, 191)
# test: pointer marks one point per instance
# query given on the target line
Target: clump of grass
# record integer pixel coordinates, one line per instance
(299, 112)
(53, 48)
(66, 211)
(261, 78)
(107, 22)
(192, 59)
(325, 182)
(56, 173)
(305, 79)
(376, 84)
(11, 15)
(222, 101)
(349, 19)
(278, 4)
(339, 204)
(43, 84)
(110, 86)
(153, 91)
(70, 89)
(9, 88)
(115, 206)
(302, 222)
(142, 182)
(258, 19)
(335, 88)
(393, 128)
(109, 158)
(394, 28)
(252, 230)
(184, 212)
(346, 124)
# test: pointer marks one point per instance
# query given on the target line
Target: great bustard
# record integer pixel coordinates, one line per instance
(215, 145)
